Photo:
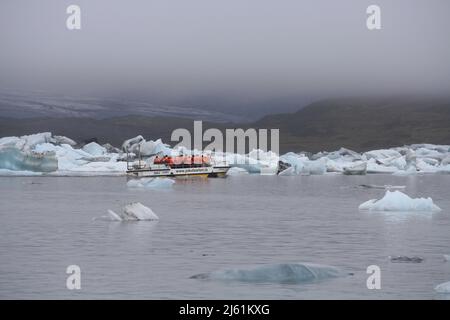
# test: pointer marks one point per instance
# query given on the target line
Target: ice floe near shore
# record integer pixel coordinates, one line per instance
(398, 201)
(132, 212)
(294, 273)
(59, 155)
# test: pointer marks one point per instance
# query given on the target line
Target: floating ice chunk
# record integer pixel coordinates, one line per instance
(7, 172)
(410, 171)
(335, 166)
(94, 149)
(236, 171)
(278, 273)
(405, 259)
(288, 172)
(12, 158)
(137, 211)
(63, 140)
(374, 167)
(113, 216)
(111, 149)
(444, 169)
(151, 183)
(315, 166)
(128, 144)
(445, 161)
(359, 168)
(443, 287)
(425, 167)
(382, 154)
(132, 212)
(138, 145)
(295, 160)
(386, 186)
(398, 201)
(447, 257)
(427, 153)
(33, 139)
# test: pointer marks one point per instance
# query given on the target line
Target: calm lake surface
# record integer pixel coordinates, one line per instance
(48, 223)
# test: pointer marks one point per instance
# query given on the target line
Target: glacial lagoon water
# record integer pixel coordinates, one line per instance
(48, 223)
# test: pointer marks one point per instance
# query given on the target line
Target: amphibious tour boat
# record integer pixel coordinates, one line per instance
(175, 166)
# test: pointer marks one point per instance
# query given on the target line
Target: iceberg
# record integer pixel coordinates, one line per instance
(356, 169)
(295, 160)
(12, 158)
(398, 201)
(382, 154)
(151, 183)
(138, 145)
(236, 171)
(58, 155)
(374, 167)
(127, 145)
(287, 172)
(132, 212)
(315, 167)
(113, 216)
(94, 149)
(63, 140)
(7, 172)
(443, 287)
(410, 171)
(293, 273)
(386, 186)
(405, 259)
(447, 257)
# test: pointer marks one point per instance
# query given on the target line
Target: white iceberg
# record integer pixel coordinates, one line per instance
(443, 287)
(398, 201)
(138, 145)
(359, 168)
(151, 183)
(409, 171)
(382, 154)
(128, 144)
(374, 167)
(113, 216)
(133, 212)
(297, 161)
(447, 257)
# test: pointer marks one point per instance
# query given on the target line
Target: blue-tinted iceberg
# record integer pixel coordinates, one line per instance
(20, 153)
(94, 149)
(294, 273)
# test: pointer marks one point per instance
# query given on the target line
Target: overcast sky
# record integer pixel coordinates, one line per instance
(234, 49)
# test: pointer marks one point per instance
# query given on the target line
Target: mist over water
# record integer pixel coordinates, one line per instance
(225, 54)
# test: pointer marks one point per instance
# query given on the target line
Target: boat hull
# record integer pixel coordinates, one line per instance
(179, 172)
